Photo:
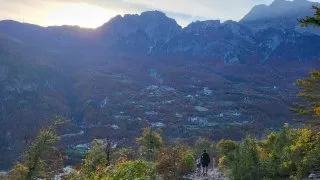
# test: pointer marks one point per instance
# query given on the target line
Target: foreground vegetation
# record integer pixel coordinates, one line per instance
(288, 153)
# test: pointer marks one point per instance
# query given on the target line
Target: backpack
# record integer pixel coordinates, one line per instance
(205, 159)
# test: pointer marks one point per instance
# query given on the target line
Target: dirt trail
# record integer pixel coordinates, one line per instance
(213, 174)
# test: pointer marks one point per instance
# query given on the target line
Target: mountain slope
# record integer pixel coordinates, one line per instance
(267, 34)
(282, 15)
(208, 79)
(280, 9)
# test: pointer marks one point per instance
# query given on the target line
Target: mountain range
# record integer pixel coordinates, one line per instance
(210, 78)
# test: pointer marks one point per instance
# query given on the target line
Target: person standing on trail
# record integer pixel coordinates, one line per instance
(205, 161)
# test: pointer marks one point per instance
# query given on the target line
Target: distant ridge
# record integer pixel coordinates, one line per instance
(280, 9)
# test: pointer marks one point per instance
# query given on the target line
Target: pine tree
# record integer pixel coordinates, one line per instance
(150, 142)
(310, 87)
(315, 21)
(95, 159)
(310, 93)
(35, 158)
(246, 165)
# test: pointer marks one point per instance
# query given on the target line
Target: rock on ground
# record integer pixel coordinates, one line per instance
(212, 175)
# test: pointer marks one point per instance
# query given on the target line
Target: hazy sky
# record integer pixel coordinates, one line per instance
(93, 13)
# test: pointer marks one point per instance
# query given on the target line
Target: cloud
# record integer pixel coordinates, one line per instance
(184, 11)
(192, 9)
(125, 5)
(26, 10)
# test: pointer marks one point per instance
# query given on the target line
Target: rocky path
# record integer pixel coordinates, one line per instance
(213, 174)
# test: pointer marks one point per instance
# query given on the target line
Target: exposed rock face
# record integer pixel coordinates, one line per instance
(199, 27)
(201, 109)
(266, 33)
(104, 102)
(281, 15)
(280, 9)
(139, 32)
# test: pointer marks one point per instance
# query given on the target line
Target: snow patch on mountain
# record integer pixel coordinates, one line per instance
(104, 102)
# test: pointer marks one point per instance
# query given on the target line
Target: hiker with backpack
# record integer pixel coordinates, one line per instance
(205, 161)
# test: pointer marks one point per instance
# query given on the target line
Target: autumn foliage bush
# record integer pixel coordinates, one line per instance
(291, 152)
(174, 162)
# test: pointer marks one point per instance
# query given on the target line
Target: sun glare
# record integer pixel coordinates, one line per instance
(81, 14)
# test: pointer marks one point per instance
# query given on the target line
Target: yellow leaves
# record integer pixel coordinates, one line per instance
(263, 153)
(223, 162)
(304, 140)
(315, 74)
(138, 169)
(317, 111)
(123, 160)
(175, 162)
(304, 134)
(285, 165)
(226, 146)
(18, 172)
(271, 137)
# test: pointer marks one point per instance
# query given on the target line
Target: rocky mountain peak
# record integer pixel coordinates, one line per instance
(201, 26)
(155, 24)
(154, 15)
(280, 9)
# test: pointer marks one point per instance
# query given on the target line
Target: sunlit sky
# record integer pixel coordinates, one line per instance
(94, 13)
